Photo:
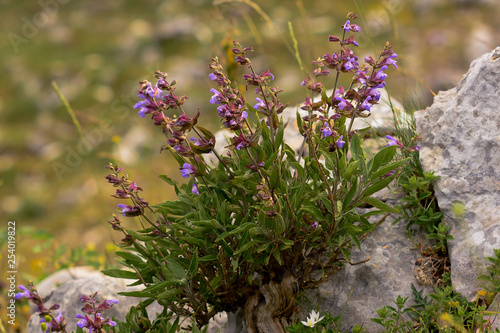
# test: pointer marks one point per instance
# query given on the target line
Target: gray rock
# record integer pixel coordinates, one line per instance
(52, 282)
(68, 295)
(362, 289)
(461, 144)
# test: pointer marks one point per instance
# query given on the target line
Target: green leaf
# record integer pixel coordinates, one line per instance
(275, 177)
(263, 247)
(355, 240)
(240, 229)
(129, 256)
(279, 224)
(279, 134)
(351, 171)
(350, 195)
(324, 97)
(382, 157)
(299, 122)
(378, 185)
(206, 133)
(136, 293)
(141, 249)
(314, 212)
(169, 294)
(168, 180)
(330, 162)
(175, 155)
(140, 236)
(206, 258)
(118, 273)
(356, 150)
(379, 204)
(193, 267)
(160, 286)
(177, 208)
(277, 256)
(176, 268)
(225, 246)
(271, 159)
(346, 253)
(246, 246)
(388, 168)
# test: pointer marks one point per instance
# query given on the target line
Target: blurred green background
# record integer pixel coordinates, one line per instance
(97, 51)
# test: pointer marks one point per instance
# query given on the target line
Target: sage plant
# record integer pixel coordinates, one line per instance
(92, 319)
(266, 221)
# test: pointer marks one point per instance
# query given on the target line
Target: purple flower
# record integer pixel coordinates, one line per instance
(267, 73)
(260, 105)
(347, 26)
(153, 92)
(392, 141)
(129, 211)
(83, 322)
(184, 151)
(374, 94)
(110, 302)
(390, 173)
(26, 293)
(212, 77)
(144, 107)
(345, 105)
(340, 142)
(355, 28)
(216, 97)
(380, 75)
(133, 187)
(327, 131)
(244, 115)
(197, 142)
(195, 189)
(188, 169)
(121, 194)
(390, 61)
(240, 141)
(314, 225)
(366, 104)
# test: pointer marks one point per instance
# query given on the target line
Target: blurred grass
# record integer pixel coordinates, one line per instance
(97, 51)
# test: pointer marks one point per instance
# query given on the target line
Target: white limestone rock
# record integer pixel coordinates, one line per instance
(461, 141)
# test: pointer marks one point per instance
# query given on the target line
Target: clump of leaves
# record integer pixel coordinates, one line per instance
(252, 230)
(491, 281)
(444, 310)
(420, 203)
